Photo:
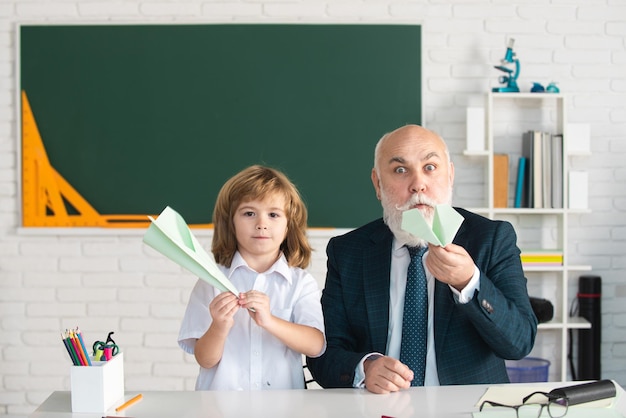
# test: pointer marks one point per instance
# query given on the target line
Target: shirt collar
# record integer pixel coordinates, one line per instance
(398, 245)
(280, 266)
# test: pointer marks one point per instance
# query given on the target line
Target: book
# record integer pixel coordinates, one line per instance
(527, 152)
(532, 150)
(557, 171)
(546, 169)
(520, 200)
(536, 258)
(537, 167)
(500, 180)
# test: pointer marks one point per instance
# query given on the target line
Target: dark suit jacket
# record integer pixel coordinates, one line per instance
(471, 340)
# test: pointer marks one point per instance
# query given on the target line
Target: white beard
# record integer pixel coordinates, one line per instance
(392, 215)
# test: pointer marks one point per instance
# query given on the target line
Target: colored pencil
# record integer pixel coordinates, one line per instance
(129, 402)
(70, 343)
(69, 350)
(82, 345)
(77, 349)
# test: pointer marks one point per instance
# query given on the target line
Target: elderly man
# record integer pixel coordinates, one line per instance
(475, 310)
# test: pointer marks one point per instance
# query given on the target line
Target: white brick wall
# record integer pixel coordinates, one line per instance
(104, 282)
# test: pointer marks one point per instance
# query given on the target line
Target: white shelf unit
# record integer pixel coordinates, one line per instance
(507, 117)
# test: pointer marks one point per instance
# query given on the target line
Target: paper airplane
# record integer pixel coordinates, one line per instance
(170, 235)
(446, 223)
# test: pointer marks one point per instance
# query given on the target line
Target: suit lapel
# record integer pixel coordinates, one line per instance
(444, 302)
(444, 306)
(376, 267)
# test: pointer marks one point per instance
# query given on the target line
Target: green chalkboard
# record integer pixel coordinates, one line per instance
(138, 117)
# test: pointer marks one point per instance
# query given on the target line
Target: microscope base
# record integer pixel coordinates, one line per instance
(505, 89)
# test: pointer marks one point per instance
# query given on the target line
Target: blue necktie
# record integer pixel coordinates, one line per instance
(415, 321)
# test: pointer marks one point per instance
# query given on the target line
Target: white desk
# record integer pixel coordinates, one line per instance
(440, 402)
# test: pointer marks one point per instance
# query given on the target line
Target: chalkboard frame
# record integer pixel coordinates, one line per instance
(335, 184)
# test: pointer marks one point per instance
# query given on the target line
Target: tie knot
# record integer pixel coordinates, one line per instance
(416, 251)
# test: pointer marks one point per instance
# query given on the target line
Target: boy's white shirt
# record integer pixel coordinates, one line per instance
(253, 359)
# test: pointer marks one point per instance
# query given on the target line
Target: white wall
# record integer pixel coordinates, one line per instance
(102, 282)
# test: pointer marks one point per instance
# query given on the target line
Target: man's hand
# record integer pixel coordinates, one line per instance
(386, 374)
(450, 264)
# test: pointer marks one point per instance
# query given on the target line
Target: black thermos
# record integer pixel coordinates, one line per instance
(589, 294)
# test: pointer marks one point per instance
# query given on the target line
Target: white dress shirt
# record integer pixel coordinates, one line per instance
(253, 359)
(400, 259)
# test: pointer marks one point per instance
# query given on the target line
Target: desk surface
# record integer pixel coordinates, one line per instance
(445, 401)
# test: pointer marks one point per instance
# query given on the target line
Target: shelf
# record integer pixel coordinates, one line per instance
(471, 153)
(556, 268)
(541, 96)
(572, 323)
(507, 117)
(528, 211)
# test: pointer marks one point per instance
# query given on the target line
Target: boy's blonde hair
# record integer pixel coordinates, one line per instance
(252, 183)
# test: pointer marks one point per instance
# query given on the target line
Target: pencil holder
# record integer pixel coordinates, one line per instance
(98, 387)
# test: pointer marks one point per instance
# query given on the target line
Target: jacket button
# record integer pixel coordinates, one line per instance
(487, 306)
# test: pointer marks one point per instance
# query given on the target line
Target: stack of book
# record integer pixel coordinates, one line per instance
(541, 258)
(540, 171)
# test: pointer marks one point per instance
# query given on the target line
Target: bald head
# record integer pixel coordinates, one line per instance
(408, 133)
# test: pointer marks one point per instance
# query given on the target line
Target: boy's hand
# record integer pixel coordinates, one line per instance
(223, 308)
(258, 305)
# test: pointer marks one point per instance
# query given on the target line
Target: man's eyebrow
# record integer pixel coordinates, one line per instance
(432, 154)
(397, 160)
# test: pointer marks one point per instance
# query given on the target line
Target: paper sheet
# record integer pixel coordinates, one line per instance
(446, 223)
(513, 395)
(170, 235)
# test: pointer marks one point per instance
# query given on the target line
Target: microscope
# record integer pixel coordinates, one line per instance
(511, 78)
